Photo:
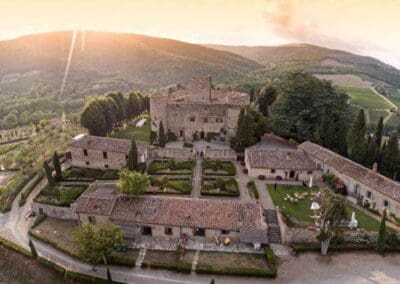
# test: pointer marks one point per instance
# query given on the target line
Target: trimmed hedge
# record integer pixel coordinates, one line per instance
(8, 193)
(15, 247)
(305, 247)
(227, 167)
(120, 260)
(84, 278)
(175, 266)
(31, 187)
(210, 188)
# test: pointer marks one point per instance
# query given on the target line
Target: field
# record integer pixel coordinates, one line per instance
(374, 116)
(140, 133)
(345, 80)
(365, 98)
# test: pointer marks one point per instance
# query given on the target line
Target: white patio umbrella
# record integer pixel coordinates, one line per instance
(315, 206)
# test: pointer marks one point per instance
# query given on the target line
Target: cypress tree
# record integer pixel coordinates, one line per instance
(132, 162)
(153, 137)
(49, 175)
(391, 157)
(33, 249)
(109, 279)
(342, 139)
(57, 166)
(162, 139)
(356, 142)
(378, 132)
(380, 243)
(372, 152)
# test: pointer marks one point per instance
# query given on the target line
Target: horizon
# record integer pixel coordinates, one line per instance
(369, 29)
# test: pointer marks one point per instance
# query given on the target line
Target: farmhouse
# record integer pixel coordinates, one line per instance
(276, 158)
(363, 185)
(87, 151)
(171, 217)
(198, 111)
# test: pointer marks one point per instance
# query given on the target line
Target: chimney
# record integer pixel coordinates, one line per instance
(375, 167)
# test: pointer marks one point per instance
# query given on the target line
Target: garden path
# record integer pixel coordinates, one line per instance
(242, 180)
(196, 180)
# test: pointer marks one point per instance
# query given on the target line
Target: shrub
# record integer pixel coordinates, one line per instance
(211, 136)
(393, 240)
(188, 145)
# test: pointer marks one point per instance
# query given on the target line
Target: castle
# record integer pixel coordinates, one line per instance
(197, 111)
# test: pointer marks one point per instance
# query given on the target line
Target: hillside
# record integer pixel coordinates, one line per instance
(317, 60)
(110, 61)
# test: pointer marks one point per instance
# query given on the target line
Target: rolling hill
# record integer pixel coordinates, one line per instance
(110, 61)
(317, 60)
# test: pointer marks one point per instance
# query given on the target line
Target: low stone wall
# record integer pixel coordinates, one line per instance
(54, 211)
(171, 153)
(220, 154)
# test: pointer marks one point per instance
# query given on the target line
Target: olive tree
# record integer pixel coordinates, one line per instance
(332, 213)
(132, 183)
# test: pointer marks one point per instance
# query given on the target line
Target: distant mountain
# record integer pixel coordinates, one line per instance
(316, 59)
(111, 61)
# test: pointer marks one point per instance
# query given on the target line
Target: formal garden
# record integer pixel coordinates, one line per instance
(60, 195)
(171, 167)
(88, 175)
(220, 186)
(170, 185)
(218, 168)
(295, 203)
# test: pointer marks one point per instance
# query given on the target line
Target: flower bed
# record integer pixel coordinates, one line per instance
(220, 187)
(218, 168)
(170, 185)
(171, 167)
(59, 195)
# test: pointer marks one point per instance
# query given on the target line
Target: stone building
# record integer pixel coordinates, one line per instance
(363, 185)
(88, 151)
(278, 159)
(170, 217)
(198, 110)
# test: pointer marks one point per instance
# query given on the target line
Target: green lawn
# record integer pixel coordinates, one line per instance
(301, 211)
(365, 98)
(374, 116)
(394, 96)
(140, 133)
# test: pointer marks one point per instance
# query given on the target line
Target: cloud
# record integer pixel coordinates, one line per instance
(303, 21)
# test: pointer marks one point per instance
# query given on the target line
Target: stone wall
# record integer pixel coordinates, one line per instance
(171, 153)
(219, 154)
(96, 160)
(54, 211)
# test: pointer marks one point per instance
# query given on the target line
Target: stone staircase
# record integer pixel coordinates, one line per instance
(274, 234)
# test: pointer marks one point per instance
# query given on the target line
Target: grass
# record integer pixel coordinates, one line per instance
(218, 168)
(220, 187)
(170, 185)
(161, 259)
(59, 195)
(240, 264)
(83, 174)
(9, 147)
(140, 133)
(365, 98)
(302, 213)
(170, 167)
(375, 115)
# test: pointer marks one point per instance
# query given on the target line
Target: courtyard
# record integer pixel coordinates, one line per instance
(295, 202)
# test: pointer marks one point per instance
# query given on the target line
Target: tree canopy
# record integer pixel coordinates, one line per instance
(132, 183)
(95, 243)
(305, 105)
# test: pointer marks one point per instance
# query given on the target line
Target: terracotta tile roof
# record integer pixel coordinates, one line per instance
(279, 159)
(353, 170)
(254, 236)
(272, 141)
(96, 200)
(187, 212)
(106, 144)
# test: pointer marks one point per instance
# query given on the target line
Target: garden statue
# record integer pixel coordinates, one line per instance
(353, 223)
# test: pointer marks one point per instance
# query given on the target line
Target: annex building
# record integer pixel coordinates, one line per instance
(88, 151)
(197, 110)
(363, 185)
(171, 217)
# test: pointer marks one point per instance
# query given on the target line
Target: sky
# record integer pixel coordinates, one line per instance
(367, 27)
